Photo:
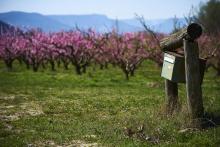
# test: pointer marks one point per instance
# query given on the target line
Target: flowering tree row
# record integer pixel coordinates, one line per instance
(79, 48)
(209, 45)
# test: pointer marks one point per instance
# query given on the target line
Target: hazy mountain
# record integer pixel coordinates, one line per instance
(5, 28)
(159, 25)
(100, 23)
(64, 22)
(32, 20)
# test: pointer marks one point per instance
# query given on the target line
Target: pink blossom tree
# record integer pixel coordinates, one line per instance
(9, 50)
(127, 51)
(210, 48)
(34, 51)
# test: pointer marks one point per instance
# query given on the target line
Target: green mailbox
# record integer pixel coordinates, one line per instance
(174, 67)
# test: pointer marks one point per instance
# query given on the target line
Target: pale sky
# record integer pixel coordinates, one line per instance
(121, 9)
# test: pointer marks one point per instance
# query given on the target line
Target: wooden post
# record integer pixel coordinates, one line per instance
(186, 37)
(193, 84)
(171, 90)
(174, 41)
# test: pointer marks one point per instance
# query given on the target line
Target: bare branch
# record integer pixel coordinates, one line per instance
(148, 29)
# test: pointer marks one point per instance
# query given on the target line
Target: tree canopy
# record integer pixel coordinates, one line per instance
(209, 16)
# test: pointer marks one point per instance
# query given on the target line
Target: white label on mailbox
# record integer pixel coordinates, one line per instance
(169, 59)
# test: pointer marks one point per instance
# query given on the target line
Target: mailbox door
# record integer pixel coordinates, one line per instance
(168, 66)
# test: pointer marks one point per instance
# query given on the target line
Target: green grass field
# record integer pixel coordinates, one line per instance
(98, 108)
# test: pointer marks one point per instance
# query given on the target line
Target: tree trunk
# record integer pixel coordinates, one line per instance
(65, 64)
(20, 61)
(58, 63)
(78, 69)
(27, 65)
(218, 72)
(126, 74)
(9, 64)
(52, 64)
(84, 68)
(218, 68)
(35, 68)
(106, 65)
(132, 72)
(43, 65)
(26, 62)
(101, 66)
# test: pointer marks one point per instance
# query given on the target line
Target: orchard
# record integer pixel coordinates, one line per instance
(79, 48)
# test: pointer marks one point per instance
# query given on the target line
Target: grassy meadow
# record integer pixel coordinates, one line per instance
(99, 108)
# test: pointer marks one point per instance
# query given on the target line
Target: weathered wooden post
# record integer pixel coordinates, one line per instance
(193, 79)
(174, 70)
(171, 91)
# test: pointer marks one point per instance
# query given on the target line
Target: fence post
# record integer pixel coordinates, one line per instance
(193, 80)
(171, 91)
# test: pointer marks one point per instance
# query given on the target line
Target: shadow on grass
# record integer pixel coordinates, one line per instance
(211, 120)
